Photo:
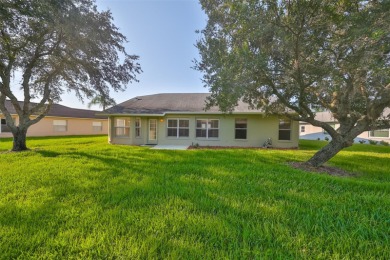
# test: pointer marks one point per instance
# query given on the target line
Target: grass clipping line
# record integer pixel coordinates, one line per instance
(334, 171)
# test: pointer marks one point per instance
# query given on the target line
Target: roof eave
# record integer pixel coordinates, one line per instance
(129, 114)
(183, 113)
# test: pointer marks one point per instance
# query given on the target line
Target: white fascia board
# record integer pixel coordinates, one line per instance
(184, 113)
(216, 113)
(137, 115)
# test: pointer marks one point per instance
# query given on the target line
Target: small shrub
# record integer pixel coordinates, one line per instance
(362, 141)
(318, 139)
(372, 142)
(384, 143)
(195, 145)
(326, 138)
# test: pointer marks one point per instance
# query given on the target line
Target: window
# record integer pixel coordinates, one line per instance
(97, 126)
(138, 127)
(178, 128)
(60, 125)
(379, 133)
(3, 126)
(241, 128)
(285, 129)
(303, 128)
(152, 129)
(122, 127)
(207, 128)
(333, 125)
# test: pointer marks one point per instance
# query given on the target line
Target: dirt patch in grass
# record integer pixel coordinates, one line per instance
(334, 171)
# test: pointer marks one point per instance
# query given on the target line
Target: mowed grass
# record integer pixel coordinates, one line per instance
(79, 197)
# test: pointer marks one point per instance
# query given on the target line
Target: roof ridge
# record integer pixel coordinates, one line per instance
(60, 110)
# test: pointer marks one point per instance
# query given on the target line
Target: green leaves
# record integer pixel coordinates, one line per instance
(60, 46)
(299, 54)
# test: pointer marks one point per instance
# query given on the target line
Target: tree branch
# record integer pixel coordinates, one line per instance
(40, 116)
(6, 113)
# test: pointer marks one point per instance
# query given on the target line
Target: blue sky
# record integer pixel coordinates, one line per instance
(162, 33)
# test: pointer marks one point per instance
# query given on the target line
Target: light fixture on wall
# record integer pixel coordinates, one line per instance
(161, 120)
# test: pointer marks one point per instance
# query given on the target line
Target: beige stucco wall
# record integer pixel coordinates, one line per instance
(309, 129)
(259, 129)
(75, 126)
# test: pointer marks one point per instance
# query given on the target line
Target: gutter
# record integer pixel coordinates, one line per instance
(186, 113)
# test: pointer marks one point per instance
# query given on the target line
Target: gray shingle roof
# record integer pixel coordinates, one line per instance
(171, 103)
(61, 111)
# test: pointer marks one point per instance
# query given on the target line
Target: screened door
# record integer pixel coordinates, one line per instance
(152, 131)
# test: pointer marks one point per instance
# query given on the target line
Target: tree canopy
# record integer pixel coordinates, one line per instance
(101, 102)
(290, 56)
(57, 47)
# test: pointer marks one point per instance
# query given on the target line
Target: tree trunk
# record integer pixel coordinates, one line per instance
(19, 142)
(327, 152)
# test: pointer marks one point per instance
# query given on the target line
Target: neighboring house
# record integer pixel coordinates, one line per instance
(181, 119)
(60, 120)
(310, 132)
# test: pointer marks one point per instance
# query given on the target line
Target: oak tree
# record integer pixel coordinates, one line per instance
(287, 57)
(51, 47)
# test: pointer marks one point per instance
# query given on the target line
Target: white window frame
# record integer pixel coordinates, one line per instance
(60, 125)
(235, 128)
(155, 130)
(125, 128)
(137, 126)
(207, 128)
(285, 129)
(97, 126)
(379, 130)
(1, 124)
(6, 129)
(178, 128)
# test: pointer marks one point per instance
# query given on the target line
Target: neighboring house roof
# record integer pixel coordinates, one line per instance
(160, 104)
(327, 116)
(57, 110)
(324, 117)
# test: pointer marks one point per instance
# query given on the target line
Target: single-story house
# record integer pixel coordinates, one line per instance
(60, 120)
(310, 132)
(181, 119)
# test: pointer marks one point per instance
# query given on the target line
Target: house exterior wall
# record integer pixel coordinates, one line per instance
(4, 129)
(259, 129)
(74, 126)
(314, 132)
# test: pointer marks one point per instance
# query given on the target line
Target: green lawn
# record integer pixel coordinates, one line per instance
(79, 197)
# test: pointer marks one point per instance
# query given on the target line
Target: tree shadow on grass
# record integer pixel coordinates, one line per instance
(47, 153)
(213, 204)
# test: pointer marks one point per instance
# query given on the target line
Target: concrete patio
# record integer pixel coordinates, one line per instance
(170, 147)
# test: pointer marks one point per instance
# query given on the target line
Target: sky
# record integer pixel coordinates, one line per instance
(162, 33)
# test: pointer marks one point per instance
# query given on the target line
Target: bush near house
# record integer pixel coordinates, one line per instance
(79, 197)
(372, 142)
